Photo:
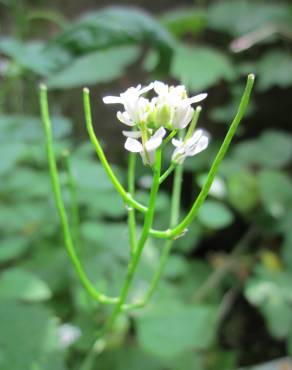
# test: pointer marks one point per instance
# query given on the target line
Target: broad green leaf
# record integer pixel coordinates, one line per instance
(241, 16)
(12, 152)
(17, 283)
(29, 218)
(27, 337)
(275, 192)
(34, 55)
(243, 190)
(90, 174)
(96, 67)
(170, 330)
(29, 128)
(107, 203)
(27, 183)
(52, 265)
(200, 67)
(269, 76)
(215, 215)
(112, 26)
(109, 237)
(271, 293)
(185, 20)
(272, 149)
(12, 247)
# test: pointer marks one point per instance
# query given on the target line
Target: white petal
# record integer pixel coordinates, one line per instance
(177, 143)
(188, 117)
(125, 118)
(133, 145)
(153, 143)
(112, 100)
(195, 137)
(197, 98)
(132, 134)
(148, 158)
(160, 88)
(182, 117)
(159, 133)
(146, 88)
(202, 145)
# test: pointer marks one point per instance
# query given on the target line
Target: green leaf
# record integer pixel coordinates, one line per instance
(272, 149)
(96, 67)
(170, 330)
(29, 218)
(215, 215)
(17, 283)
(242, 190)
(185, 20)
(106, 203)
(34, 55)
(241, 16)
(275, 192)
(12, 152)
(201, 67)
(27, 183)
(90, 174)
(27, 337)
(271, 293)
(12, 247)
(29, 128)
(112, 26)
(269, 76)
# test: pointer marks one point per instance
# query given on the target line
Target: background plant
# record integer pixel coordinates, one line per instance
(235, 258)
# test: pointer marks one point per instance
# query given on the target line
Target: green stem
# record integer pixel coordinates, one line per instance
(174, 215)
(60, 204)
(193, 123)
(169, 137)
(74, 202)
(140, 245)
(165, 175)
(131, 211)
(126, 196)
(179, 229)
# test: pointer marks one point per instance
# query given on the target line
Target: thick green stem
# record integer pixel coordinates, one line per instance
(126, 196)
(180, 229)
(140, 245)
(131, 211)
(60, 203)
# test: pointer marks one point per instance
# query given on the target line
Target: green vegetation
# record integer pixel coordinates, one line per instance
(224, 299)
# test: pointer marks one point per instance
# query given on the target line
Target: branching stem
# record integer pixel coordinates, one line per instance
(60, 203)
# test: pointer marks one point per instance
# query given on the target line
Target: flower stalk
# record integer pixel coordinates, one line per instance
(170, 110)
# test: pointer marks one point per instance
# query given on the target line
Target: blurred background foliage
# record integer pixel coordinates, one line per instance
(225, 299)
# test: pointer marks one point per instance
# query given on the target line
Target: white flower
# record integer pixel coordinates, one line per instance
(135, 106)
(175, 101)
(192, 146)
(147, 152)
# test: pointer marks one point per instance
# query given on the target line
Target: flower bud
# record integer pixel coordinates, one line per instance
(162, 116)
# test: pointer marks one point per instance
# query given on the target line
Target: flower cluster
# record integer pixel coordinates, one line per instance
(169, 109)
